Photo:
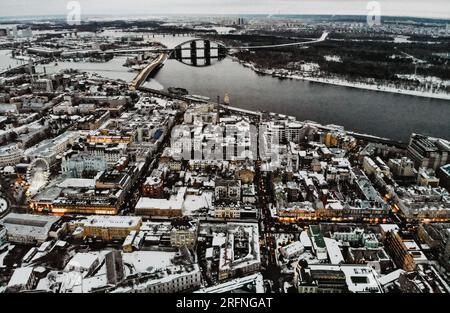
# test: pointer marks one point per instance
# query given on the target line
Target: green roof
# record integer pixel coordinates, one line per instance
(317, 236)
(315, 230)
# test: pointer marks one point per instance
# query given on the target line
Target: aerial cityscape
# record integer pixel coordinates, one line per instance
(234, 152)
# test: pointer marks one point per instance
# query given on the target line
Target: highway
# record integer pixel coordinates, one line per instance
(137, 50)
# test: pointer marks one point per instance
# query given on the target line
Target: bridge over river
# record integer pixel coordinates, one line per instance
(143, 75)
(197, 52)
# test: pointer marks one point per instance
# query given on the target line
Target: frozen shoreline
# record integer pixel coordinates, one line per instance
(343, 83)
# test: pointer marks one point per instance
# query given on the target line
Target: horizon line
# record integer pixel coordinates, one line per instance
(122, 16)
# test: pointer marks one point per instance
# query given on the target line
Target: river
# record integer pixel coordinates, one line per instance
(377, 113)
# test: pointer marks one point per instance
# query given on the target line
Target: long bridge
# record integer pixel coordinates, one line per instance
(207, 46)
(143, 75)
(20, 67)
(193, 56)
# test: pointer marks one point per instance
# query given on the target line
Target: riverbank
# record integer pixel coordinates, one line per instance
(358, 135)
(281, 73)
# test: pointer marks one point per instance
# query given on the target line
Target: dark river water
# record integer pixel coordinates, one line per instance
(377, 113)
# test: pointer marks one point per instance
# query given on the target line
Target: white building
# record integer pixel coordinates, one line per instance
(10, 155)
(173, 279)
(83, 263)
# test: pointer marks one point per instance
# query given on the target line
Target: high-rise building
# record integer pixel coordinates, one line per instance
(428, 152)
(403, 167)
(226, 99)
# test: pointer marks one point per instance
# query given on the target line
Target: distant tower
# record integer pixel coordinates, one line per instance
(226, 99)
(31, 68)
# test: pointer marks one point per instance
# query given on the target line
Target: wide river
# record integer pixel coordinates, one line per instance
(377, 113)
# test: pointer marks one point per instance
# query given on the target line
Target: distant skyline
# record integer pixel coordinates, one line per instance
(413, 8)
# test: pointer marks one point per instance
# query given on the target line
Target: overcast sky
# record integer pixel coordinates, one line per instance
(422, 8)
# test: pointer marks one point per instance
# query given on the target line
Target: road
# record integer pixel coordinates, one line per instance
(301, 43)
(266, 223)
(134, 193)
